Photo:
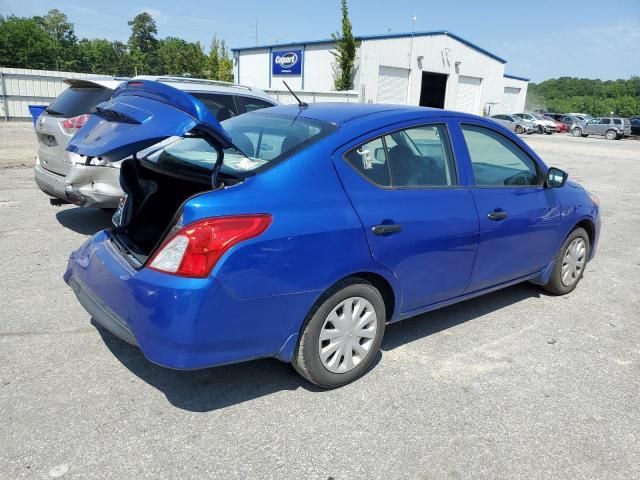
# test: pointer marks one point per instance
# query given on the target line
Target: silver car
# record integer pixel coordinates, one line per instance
(513, 123)
(612, 128)
(70, 178)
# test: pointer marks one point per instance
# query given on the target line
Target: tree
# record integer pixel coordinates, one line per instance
(62, 34)
(25, 44)
(225, 69)
(214, 58)
(143, 44)
(179, 57)
(105, 57)
(345, 53)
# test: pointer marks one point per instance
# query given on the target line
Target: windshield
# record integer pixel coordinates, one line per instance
(261, 138)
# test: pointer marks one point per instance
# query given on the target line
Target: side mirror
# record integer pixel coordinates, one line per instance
(556, 178)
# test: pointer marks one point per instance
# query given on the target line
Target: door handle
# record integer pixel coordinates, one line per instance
(385, 229)
(497, 215)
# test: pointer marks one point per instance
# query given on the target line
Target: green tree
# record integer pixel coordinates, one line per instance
(143, 44)
(179, 57)
(345, 53)
(225, 68)
(103, 56)
(25, 44)
(62, 34)
(214, 58)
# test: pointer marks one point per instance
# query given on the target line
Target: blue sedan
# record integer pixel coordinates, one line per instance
(298, 232)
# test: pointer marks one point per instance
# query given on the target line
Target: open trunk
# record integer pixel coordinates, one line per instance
(153, 201)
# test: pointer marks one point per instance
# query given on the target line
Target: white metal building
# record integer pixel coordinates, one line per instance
(436, 69)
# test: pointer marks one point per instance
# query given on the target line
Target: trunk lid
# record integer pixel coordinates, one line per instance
(140, 114)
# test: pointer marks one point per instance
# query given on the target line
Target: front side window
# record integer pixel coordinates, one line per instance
(496, 160)
(605, 121)
(251, 104)
(221, 106)
(414, 157)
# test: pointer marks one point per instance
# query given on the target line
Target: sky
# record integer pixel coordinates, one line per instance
(539, 39)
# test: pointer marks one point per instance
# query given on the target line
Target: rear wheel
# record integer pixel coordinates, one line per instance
(576, 132)
(570, 263)
(611, 135)
(342, 336)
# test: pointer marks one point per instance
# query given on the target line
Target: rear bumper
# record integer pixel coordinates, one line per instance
(181, 323)
(84, 185)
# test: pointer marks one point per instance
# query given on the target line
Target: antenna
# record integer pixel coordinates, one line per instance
(301, 104)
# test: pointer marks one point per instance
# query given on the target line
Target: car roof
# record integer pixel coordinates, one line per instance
(339, 113)
(207, 86)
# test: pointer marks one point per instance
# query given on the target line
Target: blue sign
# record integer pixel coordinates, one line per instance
(287, 62)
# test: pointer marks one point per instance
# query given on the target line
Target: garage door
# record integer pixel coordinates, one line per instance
(468, 96)
(392, 85)
(510, 100)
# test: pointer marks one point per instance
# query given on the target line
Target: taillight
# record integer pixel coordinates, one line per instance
(72, 125)
(195, 248)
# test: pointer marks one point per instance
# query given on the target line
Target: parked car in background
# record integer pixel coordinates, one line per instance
(542, 125)
(513, 123)
(570, 120)
(300, 231)
(57, 170)
(635, 126)
(560, 127)
(93, 182)
(612, 128)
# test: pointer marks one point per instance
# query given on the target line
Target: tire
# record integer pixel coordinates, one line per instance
(519, 129)
(611, 135)
(540, 129)
(556, 284)
(307, 358)
(576, 132)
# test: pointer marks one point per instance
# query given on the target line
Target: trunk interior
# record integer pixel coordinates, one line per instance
(154, 198)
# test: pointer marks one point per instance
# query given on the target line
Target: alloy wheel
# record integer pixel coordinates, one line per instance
(347, 335)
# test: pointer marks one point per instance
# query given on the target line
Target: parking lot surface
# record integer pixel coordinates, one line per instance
(516, 384)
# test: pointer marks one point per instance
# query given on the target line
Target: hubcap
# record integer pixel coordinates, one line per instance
(573, 262)
(347, 335)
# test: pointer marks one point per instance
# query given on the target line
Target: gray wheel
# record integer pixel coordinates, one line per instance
(611, 135)
(576, 132)
(540, 129)
(569, 263)
(341, 335)
(519, 129)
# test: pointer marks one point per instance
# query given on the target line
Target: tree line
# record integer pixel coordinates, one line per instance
(49, 43)
(597, 97)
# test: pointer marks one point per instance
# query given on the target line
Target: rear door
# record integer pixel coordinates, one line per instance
(419, 222)
(518, 216)
(53, 126)
(603, 125)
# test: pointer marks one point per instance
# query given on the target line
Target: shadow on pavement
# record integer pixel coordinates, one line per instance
(86, 221)
(215, 388)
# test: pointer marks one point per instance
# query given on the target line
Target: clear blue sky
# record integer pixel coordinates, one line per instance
(539, 39)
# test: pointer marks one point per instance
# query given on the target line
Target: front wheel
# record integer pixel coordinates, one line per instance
(576, 132)
(570, 263)
(540, 129)
(342, 336)
(519, 129)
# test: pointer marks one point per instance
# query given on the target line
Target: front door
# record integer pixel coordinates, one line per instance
(518, 216)
(419, 223)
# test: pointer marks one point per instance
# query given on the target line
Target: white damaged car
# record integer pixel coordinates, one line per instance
(71, 178)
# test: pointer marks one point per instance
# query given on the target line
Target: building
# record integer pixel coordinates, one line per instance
(434, 69)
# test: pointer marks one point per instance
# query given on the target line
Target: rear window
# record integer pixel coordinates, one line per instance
(76, 101)
(263, 139)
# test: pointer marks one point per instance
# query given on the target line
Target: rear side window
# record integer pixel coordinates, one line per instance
(76, 101)
(252, 104)
(221, 106)
(414, 157)
(617, 121)
(496, 160)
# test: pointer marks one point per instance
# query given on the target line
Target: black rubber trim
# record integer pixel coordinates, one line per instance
(101, 313)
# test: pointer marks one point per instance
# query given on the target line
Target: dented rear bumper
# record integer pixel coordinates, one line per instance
(84, 185)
